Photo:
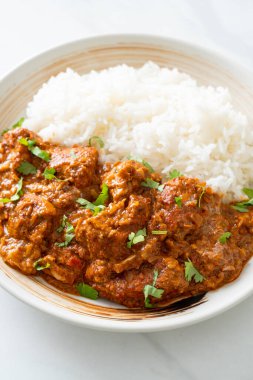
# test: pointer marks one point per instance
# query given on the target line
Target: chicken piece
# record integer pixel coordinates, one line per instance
(20, 254)
(125, 178)
(31, 219)
(65, 263)
(78, 165)
(106, 235)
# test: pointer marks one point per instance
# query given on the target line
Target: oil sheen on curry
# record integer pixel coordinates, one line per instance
(115, 230)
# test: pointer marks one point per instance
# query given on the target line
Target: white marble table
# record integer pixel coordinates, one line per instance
(36, 346)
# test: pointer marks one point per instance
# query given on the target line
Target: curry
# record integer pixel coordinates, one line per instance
(114, 230)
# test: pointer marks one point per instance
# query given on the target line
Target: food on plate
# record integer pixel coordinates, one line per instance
(116, 230)
(163, 116)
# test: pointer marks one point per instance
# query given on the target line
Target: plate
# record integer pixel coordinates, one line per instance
(209, 68)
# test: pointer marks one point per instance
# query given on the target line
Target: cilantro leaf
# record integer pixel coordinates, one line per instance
(243, 206)
(69, 234)
(49, 173)
(63, 224)
(178, 201)
(87, 291)
(26, 168)
(248, 192)
(159, 232)
(34, 149)
(98, 205)
(39, 267)
(25, 142)
(174, 174)
(16, 125)
(103, 196)
(17, 195)
(192, 272)
(19, 123)
(97, 141)
(224, 237)
(137, 237)
(152, 184)
(201, 196)
(151, 290)
(90, 206)
(141, 161)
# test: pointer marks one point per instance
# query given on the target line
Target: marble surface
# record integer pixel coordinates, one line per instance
(36, 346)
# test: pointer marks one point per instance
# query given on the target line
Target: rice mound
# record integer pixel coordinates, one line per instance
(158, 114)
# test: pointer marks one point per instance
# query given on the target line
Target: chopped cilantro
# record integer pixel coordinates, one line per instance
(141, 161)
(39, 267)
(63, 224)
(90, 206)
(174, 174)
(87, 291)
(17, 195)
(25, 142)
(97, 141)
(98, 205)
(224, 237)
(137, 237)
(18, 124)
(26, 168)
(103, 196)
(151, 290)
(49, 173)
(34, 149)
(69, 234)
(201, 196)
(159, 232)
(192, 272)
(243, 206)
(178, 201)
(152, 184)
(248, 192)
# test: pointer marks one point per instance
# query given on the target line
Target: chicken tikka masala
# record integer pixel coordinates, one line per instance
(115, 230)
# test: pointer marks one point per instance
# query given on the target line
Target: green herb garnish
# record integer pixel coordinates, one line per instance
(152, 184)
(98, 205)
(159, 232)
(69, 234)
(141, 161)
(17, 195)
(151, 290)
(97, 141)
(90, 206)
(103, 196)
(26, 168)
(39, 267)
(174, 174)
(192, 272)
(224, 237)
(137, 237)
(18, 124)
(34, 149)
(178, 201)
(243, 206)
(63, 224)
(201, 196)
(87, 291)
(49, 173)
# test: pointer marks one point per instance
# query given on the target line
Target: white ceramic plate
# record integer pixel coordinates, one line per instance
(17, 88)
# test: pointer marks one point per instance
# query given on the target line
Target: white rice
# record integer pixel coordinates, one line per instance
(160, 115)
